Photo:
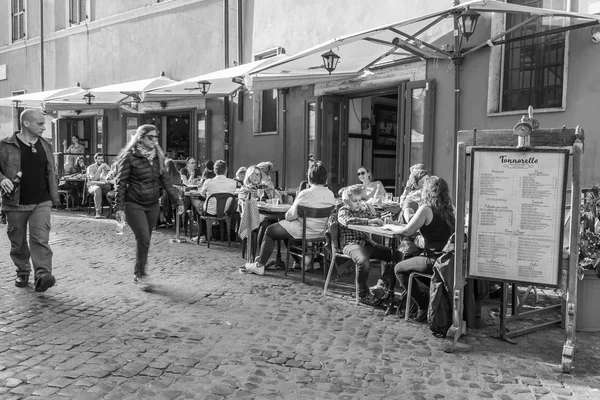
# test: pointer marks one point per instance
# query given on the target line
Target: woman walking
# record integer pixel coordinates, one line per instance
(141, 175)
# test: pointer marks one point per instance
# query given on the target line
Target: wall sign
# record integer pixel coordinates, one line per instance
(516, 214)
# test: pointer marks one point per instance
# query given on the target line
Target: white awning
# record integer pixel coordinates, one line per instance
(36, 99)
(222, 83)
(266, 80)
(390, 43)
(107, 96)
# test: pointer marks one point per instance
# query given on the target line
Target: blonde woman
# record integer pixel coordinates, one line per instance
(371, 189)
(141, 175)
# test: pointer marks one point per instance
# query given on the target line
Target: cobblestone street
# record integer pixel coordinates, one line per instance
(209, 332)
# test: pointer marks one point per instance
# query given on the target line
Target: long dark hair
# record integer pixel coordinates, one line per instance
(436, 194)
(142, 131)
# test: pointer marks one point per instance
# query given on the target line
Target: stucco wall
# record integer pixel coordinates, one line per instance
(583, 87)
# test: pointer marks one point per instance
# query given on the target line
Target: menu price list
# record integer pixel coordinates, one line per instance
(516, 209)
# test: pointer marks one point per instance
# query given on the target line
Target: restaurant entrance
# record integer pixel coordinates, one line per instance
(386, 130)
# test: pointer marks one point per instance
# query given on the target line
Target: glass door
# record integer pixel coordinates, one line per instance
(416, 144)
(332, 137)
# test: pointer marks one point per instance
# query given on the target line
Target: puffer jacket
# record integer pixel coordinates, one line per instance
(140, 182)
(10, 164)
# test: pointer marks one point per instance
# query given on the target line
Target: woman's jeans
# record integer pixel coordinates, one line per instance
(141, 219)
(415, 264)
(273, 233)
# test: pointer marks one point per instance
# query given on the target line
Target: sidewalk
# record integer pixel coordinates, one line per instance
(210, 332)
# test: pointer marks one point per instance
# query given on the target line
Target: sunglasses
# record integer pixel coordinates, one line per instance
(193, 162)
(151, 137)
(361, 173)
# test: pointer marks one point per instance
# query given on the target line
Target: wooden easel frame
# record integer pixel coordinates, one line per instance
(565, 137)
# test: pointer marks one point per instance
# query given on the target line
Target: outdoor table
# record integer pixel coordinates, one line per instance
(276, 211)
(79, 180)
(392, 238)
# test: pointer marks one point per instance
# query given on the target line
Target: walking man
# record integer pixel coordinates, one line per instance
(26, 151)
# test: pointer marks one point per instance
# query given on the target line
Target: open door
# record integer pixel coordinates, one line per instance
(416, 143)
(332, 138)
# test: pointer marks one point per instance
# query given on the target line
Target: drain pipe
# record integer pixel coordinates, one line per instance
(240, 32)
(284, 92)
(226, 98)
(42, 44)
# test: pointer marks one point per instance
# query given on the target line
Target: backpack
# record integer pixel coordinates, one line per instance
(439, 312)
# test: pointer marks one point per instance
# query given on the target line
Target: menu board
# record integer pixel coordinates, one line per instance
(516, 213)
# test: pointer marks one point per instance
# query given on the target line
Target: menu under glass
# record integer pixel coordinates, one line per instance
(516, 214)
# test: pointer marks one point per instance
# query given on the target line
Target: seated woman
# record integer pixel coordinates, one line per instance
(317, 196)
(435, 220)
(266, 167)
(191, 176)
(165, 216)
(411, 198)
(371, 189)
(239, 177)
(75, 187)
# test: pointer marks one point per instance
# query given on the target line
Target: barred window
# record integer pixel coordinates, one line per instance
(533, 68)
(78, 12)
(17, 11)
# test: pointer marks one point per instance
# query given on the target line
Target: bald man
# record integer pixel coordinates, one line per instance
(26, 151)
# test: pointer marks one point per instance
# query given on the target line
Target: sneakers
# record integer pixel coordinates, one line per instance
(368, 299)
(44, 282)
(202, 239)
(254, 268)
(421, 316)
(380, 289)
(143, 282)
(98, 215)
(22, 281)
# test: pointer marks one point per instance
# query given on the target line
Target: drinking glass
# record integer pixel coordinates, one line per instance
(260, 193)
(388, 197)
(396, 199)
(276, 201)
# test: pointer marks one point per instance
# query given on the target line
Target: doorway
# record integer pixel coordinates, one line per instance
(386, 131)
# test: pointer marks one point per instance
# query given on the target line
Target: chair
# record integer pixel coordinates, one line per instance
(412, 276)
(224, 213)
(68, 197)
(304, 213)
(335, 252)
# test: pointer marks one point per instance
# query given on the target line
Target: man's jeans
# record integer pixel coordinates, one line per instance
(39, 232)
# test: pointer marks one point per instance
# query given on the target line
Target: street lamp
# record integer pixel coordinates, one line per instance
(330, 61)
(468, 21)
(17, 106)
(204, 87)
(89, 98)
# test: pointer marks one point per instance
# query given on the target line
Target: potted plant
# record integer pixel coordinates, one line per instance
(588, 293)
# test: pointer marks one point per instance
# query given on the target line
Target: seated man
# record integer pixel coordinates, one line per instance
(97, 174)
(358, 245)
(219, 184)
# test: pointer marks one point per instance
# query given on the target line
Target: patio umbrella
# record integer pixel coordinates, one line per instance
(388, 43)
(222, 83)
(107, 96)
(35, 100)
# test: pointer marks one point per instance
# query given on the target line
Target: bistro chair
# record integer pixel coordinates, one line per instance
(226, 208)
(413, 275)
(310, 246)
(336, 254)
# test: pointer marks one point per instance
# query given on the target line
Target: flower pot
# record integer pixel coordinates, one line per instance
(588, 298)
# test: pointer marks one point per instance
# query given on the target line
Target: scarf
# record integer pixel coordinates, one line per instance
(149, 154)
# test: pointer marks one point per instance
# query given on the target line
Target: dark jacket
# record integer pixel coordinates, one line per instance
(140, 182)
(10, 164)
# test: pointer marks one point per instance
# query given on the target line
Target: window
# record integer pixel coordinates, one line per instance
(533, 69)
(266, 101)
(78, 11)
(17, 11)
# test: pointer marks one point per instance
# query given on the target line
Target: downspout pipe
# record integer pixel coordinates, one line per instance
(226, 98)
(240, 32)
(42, 44)
(284, 94)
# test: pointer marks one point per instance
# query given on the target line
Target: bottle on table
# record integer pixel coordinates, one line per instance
(15, 181)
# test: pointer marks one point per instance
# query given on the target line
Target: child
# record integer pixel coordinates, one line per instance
(358, 245)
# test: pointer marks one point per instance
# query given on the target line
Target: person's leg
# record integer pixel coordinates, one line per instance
(403, 270)
(96, 191)
(151, 216)
(138, 222)
(16, 231)
(39, 235)
(273, 233)
(360, 255)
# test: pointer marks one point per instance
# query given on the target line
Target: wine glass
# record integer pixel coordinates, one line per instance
(260, 192)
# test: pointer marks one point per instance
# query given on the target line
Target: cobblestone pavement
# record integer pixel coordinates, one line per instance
(210, 332)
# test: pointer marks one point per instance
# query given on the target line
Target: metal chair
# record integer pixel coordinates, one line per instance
(304, 213)
(224, 213)
(412, 276)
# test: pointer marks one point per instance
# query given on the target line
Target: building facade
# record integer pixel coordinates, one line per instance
(396, 115)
